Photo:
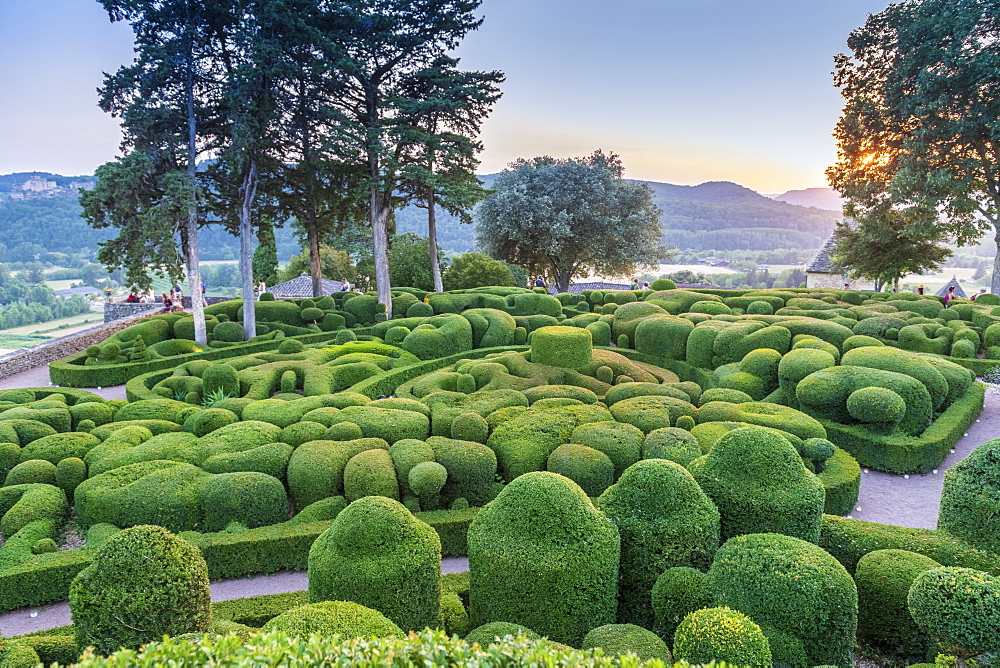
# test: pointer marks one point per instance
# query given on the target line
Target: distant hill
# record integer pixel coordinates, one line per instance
(821, 198)
(720, 215)
(717, 215)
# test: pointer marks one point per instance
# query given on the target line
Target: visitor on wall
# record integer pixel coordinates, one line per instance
(982, 291)
(345, 287)
(540, 282)
(949, 295)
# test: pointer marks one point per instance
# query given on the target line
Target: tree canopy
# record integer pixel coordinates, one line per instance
(562, 217)
(880, 249)
(918, 141)
(472, 270)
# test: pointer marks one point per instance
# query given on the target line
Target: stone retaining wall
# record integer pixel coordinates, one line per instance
(43, 353)
(117, 310)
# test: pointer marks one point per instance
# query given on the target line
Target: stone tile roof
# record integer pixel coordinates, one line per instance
(822, 262)
(959, 292)
(300, 287)
(85, 290)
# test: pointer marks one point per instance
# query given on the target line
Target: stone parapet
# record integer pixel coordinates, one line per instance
(50, 351)
(117, 310)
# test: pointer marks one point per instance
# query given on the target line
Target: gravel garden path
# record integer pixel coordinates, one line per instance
(909, 501)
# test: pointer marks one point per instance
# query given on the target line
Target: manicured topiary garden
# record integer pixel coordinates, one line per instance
(682, 490)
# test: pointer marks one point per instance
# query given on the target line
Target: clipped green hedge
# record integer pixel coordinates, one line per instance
(970, 501)
(542, 556)
(665, 520)
(378, 554)
(849, 540)
(884, 622)
(897, 453)
(794, 588)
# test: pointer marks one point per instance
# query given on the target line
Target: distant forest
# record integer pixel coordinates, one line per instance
(718, 216)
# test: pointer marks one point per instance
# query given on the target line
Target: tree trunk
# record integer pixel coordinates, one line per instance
(379, 208)
(995, 279)
(249, 190)
(315, 266)
(193, 266)
(432, 241)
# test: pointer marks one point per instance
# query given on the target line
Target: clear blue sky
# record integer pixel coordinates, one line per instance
(686, 91)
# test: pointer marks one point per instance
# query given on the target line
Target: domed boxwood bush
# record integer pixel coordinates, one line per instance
(621, 442)
(958, 607)
(621, 639)
(489, 633)
(164, 492)
(541, 555)
(757, 480)
(591, 469)
(901, 361)
(370, 473)
(728, 394)
(566, 347)
(795, 591)
(426, 479)
(221, 379)
(970, 501)
(32, 471)
(664, 520)
(652, 412)
(203, 422)
(677, 445)
(231, 332)
(378, 554)
(723, 635)
(884, 578)
(143, 583)
(876, 405)
(678, 592)
(663, 336)
(250, 498)
(334, 618)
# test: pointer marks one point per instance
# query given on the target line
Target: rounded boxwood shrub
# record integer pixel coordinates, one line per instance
(591, 469)
(877, 405)
(250, 498)
(470, 426)
(620, 639)
(759, 484)
(377, 554)
(333, 618)
(621, 442)
(270, 458)
(32, 471)
(728, 394)
(663, 284)
(678, 592)
(370, 473)
(759, 308)
(541, 555)
(721, 634)
(664, 520)
(70, 472)
(203, 422)
(453, 618)
(792, 589)
(492, 632)
(560, 346)
(426, 479)
(673, 443)
(231, 332)
(884, 578)
(958, 607)
(970, 502)
(221, 379)
(143, 583)
(652, 412)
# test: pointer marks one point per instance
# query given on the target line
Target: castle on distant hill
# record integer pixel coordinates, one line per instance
(39, 186)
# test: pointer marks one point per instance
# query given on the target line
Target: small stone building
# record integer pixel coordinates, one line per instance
(820, 272)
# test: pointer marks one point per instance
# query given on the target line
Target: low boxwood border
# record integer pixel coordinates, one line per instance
(46, 578)
(849, 539)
